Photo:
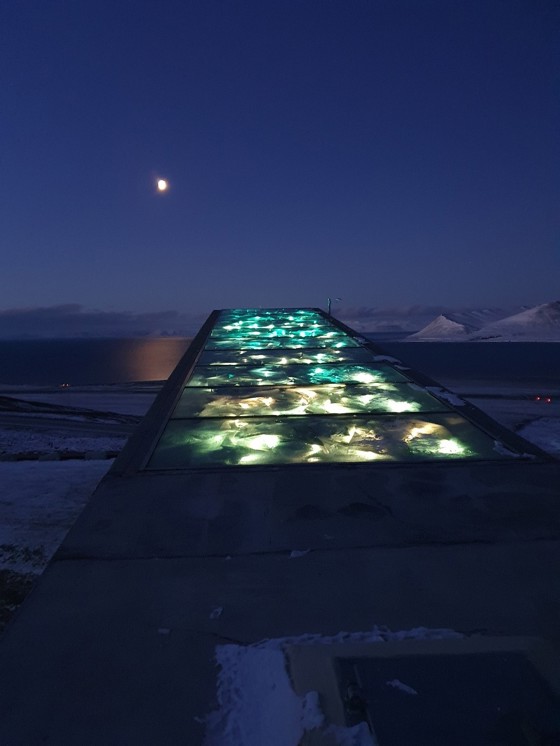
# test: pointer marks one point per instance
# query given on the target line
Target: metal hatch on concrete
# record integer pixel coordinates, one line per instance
(186, 547)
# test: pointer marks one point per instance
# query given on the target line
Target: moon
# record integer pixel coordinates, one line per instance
(162, 185)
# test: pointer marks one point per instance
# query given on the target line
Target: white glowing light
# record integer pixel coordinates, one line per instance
(365, 378)
(402, 406)
(334, 408)
(365, 399)
(263, 442)
(366, 455)
(351, 432)
(427, 429)
(450, 447)
(162, 185)
(249, 458)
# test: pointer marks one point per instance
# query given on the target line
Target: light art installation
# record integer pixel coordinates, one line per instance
(285, 342)
(297, 400)
(309, 439)
(288, 386)
(285, 357)
(291, 375)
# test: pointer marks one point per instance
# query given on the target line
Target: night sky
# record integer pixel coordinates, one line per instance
(389, 152)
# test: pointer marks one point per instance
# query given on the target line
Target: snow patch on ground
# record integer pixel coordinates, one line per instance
(39, 502)
(101, 400)
(545, 433)
(17, 440)
(257, 704)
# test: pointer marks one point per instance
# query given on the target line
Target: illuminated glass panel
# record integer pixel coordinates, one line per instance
(272, 331)
(286, 314)
(279, 342)
(287, 386)
(297, 440)
(258, 321)
(300, 400)
(226, 327)
(286, 357)
(291, 375)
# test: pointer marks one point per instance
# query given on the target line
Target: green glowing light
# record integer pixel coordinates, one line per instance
(287, 386)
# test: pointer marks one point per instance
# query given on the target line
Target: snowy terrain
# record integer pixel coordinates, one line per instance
(53, 452)
(406, 319)
(538, 324)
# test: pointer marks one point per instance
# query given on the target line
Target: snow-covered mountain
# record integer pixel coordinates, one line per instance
(409, 319)
(443, 329)
(538, 324)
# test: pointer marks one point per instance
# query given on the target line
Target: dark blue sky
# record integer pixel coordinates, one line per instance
(385, 151)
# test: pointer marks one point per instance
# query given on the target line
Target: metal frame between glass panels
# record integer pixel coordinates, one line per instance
(289, 386)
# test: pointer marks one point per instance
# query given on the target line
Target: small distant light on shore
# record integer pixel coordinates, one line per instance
(162, 185)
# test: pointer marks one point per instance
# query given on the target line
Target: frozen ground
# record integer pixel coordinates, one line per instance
(532, 410)
(40, 499)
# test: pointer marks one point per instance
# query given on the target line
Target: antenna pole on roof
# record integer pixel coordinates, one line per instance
(329, 301)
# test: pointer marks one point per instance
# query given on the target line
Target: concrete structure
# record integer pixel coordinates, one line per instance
(117, 643)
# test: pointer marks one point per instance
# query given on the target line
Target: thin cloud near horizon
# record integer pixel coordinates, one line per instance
(72, 319)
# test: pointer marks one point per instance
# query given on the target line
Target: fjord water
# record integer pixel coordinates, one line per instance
(113, 361)
(53, 362)
(500, 361)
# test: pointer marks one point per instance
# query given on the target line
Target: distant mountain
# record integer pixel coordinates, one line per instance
(538, 324)
(409, 319)
(443, 329)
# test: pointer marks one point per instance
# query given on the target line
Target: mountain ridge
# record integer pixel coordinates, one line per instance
(537, 324)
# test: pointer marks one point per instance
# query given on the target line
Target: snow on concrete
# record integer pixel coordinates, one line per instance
(296, 553)
(401, 686)
(503, 450)
(257, 704)
(387, 359)
(448, 396)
